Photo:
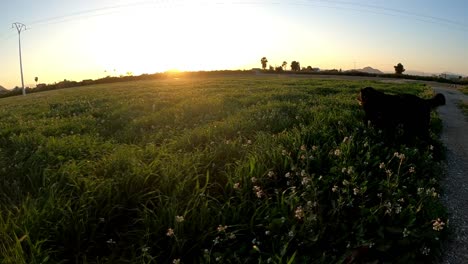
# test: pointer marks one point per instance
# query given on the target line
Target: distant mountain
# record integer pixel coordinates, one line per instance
(3, 89)
(369, 69)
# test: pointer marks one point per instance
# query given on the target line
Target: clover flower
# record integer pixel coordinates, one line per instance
(389, 207)
(406, 232)
(311, 204)
(382, 165)
(437, 224)
(420, 191)
(145, 249)
(337, 152)
(221, 228)
(170, 232)
(271, 174)
(179, 218)
(356, 191)
(334, 188)
(389, 172)
(425, 251)
(258, 191)
(236, 186)
(398, 209)
(299, 213)
(432, 192)
(306, 181)
(303, 148)
(411, 170)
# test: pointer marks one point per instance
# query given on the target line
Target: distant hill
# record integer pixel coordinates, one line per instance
(369, 69)
(3, 89)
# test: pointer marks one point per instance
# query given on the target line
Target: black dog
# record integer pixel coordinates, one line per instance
(389, 112)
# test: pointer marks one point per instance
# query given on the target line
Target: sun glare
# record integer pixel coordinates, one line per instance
(189, 38)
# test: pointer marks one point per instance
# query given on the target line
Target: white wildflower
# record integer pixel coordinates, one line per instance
(170, 232)
(406, 232)
(356, 191)
(437, 224)
(299, 213)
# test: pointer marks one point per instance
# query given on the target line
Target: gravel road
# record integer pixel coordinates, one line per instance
(455, 184)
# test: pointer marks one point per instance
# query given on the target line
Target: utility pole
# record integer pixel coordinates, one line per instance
(20, 27)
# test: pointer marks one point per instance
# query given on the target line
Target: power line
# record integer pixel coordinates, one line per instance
(339, 5)
(86, 13)
(440, 19)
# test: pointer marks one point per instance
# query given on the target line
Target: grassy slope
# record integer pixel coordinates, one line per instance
(464, 106)
(240, 170)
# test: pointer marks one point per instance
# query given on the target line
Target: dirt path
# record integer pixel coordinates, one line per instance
(455, 185)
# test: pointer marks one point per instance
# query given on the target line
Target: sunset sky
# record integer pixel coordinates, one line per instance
(90, 39)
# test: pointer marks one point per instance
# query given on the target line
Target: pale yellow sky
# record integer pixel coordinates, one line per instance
(86, 39)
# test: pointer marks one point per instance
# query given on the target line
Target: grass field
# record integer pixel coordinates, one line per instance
(464, 106)
(213, 170)
(464, 90)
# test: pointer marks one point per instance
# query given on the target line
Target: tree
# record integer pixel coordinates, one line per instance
(264, 62)
(399, 69)
(36, 79)
(295, 66)
(284, 65)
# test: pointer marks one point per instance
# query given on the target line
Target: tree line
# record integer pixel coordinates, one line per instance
(296, 66)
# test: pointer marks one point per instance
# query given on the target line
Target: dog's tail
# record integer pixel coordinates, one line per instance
(437, 100)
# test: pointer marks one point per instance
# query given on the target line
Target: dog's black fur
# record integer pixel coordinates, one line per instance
(389, 112)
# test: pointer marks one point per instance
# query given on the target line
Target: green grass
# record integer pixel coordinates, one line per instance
(214, 170)
(464, 106)
(464, 90)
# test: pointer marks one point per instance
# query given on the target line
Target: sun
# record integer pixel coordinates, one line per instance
(197, 38)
